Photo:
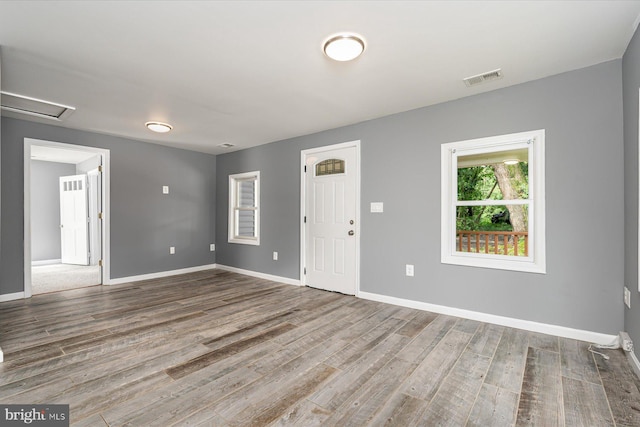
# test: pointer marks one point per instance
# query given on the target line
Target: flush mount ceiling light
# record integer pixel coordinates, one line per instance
(344, 47)
(158, 127)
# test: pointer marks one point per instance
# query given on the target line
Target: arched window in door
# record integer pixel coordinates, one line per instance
(330, 167)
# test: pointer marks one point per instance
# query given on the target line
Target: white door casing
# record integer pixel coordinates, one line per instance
(94, 186)
(74, 220)
(105, 206)
(330, 210)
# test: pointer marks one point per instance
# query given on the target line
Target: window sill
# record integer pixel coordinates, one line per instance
(252, 242)
(526, 266)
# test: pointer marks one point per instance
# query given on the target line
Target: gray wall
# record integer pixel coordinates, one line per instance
(631, 84)
(45, 208)
(582, 114)
(144, 222)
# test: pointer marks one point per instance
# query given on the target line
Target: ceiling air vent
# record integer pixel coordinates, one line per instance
(484, 77)
(34, 107)
(226, 145)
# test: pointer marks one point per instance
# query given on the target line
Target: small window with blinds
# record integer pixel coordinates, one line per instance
(330, 167)
(244, 205)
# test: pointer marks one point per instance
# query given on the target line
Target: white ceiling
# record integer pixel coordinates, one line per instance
(253, 72)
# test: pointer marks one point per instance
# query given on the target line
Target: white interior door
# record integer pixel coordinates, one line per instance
(331, 179)
(74, 224)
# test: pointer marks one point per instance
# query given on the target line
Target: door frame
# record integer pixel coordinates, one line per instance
(93, 185)
(304, 155)
(106, 221)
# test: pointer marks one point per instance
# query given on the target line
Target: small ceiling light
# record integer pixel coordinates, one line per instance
(511, 162)
(158, 127)
(344, 47)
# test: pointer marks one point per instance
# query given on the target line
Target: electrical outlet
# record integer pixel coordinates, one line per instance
(275, 256)
(172, 250)
(627, 297)
(409, 270)
(165, 189)
(212, 247)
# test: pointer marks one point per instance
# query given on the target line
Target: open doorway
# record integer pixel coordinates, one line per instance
(66, 216)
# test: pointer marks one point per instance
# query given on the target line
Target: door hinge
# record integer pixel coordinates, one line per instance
(305, 169)
(305, 219)
(305, 271)
(100, 169)
(99, 215)
(100, 263)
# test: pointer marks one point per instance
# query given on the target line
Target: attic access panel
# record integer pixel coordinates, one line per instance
(34, 107)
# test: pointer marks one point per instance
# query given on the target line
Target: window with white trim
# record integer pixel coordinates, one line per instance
(493, 203)
(244, 208)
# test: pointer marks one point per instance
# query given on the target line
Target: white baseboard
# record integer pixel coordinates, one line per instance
(159, 274)
(46, 262)
(561, 331)
(11, 297)
(265, 276)
(634, 362)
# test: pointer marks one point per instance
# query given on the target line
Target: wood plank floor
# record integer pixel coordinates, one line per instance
(217, 348)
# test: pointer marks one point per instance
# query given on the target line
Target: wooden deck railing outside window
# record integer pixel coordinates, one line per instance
(493, 242)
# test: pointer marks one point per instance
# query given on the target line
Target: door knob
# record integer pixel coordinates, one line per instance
(351, 233)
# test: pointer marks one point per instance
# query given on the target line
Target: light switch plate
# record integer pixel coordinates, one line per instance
(377, 207)
(172, 250)
(212, 247)
(165, 189)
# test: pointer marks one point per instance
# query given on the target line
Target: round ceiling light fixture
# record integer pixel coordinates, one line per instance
(158, 127)
(344, 47)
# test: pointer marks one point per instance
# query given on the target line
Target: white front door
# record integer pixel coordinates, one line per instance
(74, 223)
(330, 210)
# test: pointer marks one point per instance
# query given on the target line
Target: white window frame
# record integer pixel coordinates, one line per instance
(234, 181)
(536, 261)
